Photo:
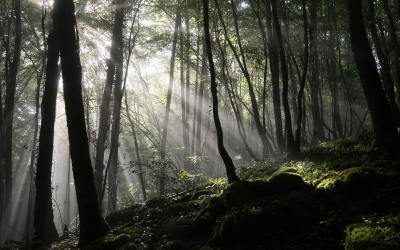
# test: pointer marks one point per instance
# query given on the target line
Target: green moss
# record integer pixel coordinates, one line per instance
(377, 236)
(122, 215)
(176, 228)
(244, 226)
(108, 242)
(283, 182)
(331, 183)
(239, 193)
(154, 203)
(129, 246)
(175, 245)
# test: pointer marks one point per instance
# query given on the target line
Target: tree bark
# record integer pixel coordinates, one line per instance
(9, 112)
(168, 105)
(92, 223)
(385, 134)
(387, 77)
(104, 124)
(44, 227)
(229, 166)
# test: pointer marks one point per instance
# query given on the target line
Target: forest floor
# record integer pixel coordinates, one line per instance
(341, 196)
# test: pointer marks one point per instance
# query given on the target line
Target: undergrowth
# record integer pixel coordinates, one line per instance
(340, 197)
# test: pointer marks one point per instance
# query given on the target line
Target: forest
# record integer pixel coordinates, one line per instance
(188, 124)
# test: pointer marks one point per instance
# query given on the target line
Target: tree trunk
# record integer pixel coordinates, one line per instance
(387, 77)
(9, 112)
(184, 102)
(168, 105)
(386, 137)
(229, 166)
(92, 223)
(44, 227)
(274, 51)
(112, 177)
(104, 124)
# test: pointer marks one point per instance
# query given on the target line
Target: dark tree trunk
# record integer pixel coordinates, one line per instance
(274, 67)
(386, 136)
(104, 125)
(168, 105)
(112, 177)
(92, 223)
(229, 166)
(290, 143)
(9, 114)
(44, 227)
(387, 77)
(318, 129)
(296, 150)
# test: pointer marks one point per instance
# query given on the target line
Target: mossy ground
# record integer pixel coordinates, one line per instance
(341, 196)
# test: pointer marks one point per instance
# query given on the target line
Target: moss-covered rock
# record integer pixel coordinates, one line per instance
(154, 203)
(122, 215)
(240, 192)
(176, 245)
(129, 246)
(359, 179)
(108, 242)
(244, 226)
(368, 236)
(177, 229)
(284, 182)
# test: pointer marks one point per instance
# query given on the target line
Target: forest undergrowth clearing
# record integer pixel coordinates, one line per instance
(341, 196)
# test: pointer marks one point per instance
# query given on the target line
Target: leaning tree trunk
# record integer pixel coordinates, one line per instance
(92, 223)
(386, 137)
(44, 227)
(229, 166)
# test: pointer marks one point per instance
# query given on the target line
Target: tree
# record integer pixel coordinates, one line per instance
(92, 223)
(44, 227)
(229, 166)
(386, 137)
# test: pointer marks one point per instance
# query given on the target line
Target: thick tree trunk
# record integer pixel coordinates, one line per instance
(92, 223)
(168, 104)
(386, 137)
(229, 166)
(44, 227)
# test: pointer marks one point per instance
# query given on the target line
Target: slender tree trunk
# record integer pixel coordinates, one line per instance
(385, 133)
(200, 96)
(9, 110)
(104, 124)
(92, 223)
(184, 102)
(44, 227)
(290, 143)
(112, 177)
(168, 105)
(274, 51)
(298, 132)
(229, 166)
